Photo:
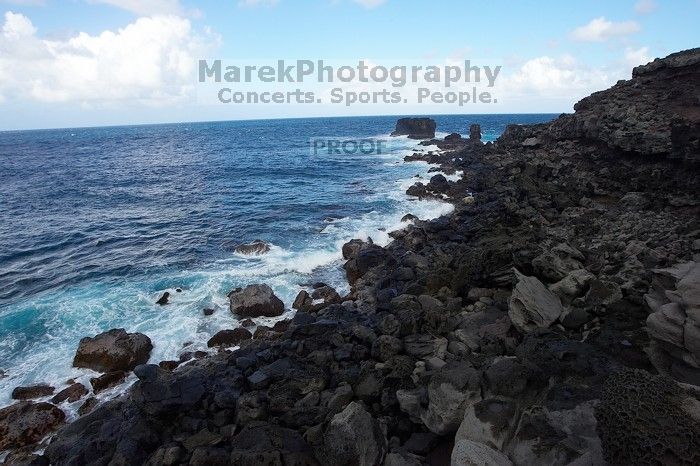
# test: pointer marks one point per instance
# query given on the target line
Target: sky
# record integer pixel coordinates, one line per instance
(77, 63)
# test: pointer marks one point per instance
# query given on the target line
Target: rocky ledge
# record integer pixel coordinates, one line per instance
(552, 318)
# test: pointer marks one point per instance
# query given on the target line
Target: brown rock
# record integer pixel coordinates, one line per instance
(114, 350)
(256, 301)
(25, 423)
(108, 380)
(227, 338)
(72, 394)
(32, 392)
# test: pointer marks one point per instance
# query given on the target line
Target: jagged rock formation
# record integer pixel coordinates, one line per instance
(415, 128)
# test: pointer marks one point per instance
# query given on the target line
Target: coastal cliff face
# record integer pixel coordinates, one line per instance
(528, 327)
(655, 114)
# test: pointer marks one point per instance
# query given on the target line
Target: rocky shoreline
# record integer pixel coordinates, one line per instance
(552, 318)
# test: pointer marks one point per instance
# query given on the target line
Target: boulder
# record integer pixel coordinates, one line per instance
(25, 423)
(163, 300)
(255, 248)
(72, 393)
(108, 380)
(114, 350)
(415, 128)
(450, 391)
(32, 392)
(226, 338)
(354, 437)
(491, 421)
(532, 305)
(256, 301)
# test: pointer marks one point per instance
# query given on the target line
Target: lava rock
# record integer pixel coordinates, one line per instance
(114, 350)
(256, 301)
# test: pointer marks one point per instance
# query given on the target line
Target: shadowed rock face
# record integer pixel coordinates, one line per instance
(415, 128)
(655, 113)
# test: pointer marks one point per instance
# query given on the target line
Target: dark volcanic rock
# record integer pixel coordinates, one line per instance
(108, 380)
(32, 392)
(72, 393)
(229, 337)
(475, 132)
(163, 300)
(641, 420)
(656, 121)
(255, 248)
(256, 301)
(25, 423)
(415, 128)
(114, 350)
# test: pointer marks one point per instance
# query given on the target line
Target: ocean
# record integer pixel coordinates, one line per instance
(96, 223)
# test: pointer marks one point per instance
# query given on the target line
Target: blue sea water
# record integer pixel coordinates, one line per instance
(96, 223)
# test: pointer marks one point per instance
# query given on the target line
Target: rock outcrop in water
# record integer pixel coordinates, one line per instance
(415, 128)
(515, 331)
(115, 350)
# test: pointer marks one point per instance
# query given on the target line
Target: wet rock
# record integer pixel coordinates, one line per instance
(226, 338)
(25, 423)
(32, 392)
(351, 248)
(169, 365)
(415, 128)
(532, 305)
(303, 301)
(87, 406)
(208, 311)
(256, 301)
(108, 380)
(354, 437)
(163, 300)
(256, 248)
(71, 394)
(114, 350)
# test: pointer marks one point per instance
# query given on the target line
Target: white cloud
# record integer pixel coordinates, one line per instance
(600, 30)
(370, 3)
(146, 7)
(151, 60)
(254, 3)
(547, 77)
(635, 57)
(644, 7)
